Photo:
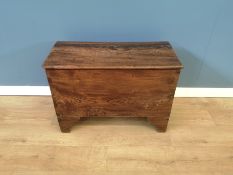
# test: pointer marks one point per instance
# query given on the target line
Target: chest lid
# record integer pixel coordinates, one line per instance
(112, 55)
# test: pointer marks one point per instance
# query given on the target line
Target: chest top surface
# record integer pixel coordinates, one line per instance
(112, 55)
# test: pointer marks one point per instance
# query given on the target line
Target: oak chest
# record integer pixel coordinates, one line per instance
(117, 79)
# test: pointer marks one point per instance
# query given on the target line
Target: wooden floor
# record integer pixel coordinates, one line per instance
(199, 140)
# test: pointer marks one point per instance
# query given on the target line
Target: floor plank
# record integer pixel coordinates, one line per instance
(199, 140)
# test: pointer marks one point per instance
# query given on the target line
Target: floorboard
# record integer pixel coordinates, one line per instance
(199, 140)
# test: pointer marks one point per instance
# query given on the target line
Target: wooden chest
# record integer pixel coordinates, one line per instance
(117, 79)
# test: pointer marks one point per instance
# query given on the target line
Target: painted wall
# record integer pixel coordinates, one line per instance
(201, 32)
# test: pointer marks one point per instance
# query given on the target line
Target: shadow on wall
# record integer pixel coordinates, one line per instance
(24, 66)
(192, 67)
(193, 74)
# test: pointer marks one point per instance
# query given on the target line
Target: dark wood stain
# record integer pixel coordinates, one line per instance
(86, 55)
(111, 80)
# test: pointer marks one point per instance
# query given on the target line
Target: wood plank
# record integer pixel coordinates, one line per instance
(36, 157)
(167, 159)
(30, 141)
(138, 93)
(110, 55)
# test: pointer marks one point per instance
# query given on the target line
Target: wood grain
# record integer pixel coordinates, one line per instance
(198, 141)
(112, 80)
(113, 93)
(110, 55)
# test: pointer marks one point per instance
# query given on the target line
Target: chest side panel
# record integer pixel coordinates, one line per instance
(86, 93)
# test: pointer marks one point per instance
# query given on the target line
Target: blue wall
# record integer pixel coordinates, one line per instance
(201, 32)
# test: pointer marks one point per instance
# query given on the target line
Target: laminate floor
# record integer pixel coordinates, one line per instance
(199, 140)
